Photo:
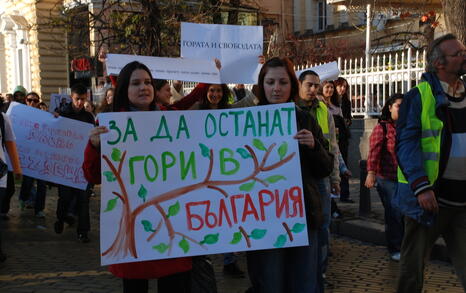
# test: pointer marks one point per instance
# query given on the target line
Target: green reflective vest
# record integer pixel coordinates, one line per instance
(431, 130)
(322, 119)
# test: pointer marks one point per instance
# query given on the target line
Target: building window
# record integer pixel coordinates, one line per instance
(322, 15)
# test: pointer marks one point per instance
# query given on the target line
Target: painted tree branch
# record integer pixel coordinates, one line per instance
(157, 229)
(246, 236)
(288, 231)
(225, 194)
(191, 239)
(120, 196)
(261, 181)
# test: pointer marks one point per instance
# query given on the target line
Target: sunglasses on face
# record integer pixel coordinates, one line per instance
(32, 100)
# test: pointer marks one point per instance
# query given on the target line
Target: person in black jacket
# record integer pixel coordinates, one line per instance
(67, 195)
(293, 269)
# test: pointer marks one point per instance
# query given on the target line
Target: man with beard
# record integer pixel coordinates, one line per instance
(431, 151)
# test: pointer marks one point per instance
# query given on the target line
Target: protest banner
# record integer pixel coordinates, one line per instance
(327, 71)
(49, 148)
(199, 70)
(238, 47)
(185, 183)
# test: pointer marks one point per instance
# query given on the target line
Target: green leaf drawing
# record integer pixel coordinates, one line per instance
(281, 240)
(210, 239)
(147, 226)
(173, 209)
(247, 186)
(282, 150)
(142, 193)
(237, 236)
(274, 178)
(258, 144)
(258, 234)
(109, 176)
(116, 155)
(298, 227)
(162, 247)
(243, 153)
(184, 244)
(111, 204)
(204, 150)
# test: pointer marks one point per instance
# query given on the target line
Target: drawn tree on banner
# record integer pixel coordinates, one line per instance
(125, 242)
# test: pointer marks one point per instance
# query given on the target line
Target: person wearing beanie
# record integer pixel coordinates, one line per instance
(19, 94)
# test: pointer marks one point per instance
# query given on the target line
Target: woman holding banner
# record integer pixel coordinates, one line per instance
(136, 91)
(292, 269)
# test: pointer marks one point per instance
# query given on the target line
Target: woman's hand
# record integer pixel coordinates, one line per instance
(218, 63)
(102, 57)
(305, 137)
(261, 59)
(94, 135)
(370, 180)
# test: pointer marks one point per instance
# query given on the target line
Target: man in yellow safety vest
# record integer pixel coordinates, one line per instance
(431, 151)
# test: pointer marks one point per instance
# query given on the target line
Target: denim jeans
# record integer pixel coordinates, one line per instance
(26, 192)
(417, 245)
(393, 217)
(293, 270)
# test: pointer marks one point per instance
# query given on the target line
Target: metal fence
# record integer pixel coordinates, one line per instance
(372, 82)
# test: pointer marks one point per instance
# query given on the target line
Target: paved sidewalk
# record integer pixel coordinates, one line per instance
(40, 261)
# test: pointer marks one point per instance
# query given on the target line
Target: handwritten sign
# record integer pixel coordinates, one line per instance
(49, 148)
(237, 47)
(168, 68)
(188, 183)
(327, 71)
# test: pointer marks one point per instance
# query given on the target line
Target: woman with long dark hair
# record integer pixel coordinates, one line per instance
(217, 97)
(136, 91)
(341, 87)
(107, 101)
(382, 168)
(332, 99)
(292, 269)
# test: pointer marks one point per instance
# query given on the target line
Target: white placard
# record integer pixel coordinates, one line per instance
(183, 183)
(49, 148)
(237, 47)
(197, 70)
(58, 101)
(327, 71)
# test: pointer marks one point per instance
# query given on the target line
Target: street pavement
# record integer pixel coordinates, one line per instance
(41, 261)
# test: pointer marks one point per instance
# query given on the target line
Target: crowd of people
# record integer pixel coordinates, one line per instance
(416, 160)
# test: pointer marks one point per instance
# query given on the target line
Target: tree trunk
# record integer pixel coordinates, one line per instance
(455, 17)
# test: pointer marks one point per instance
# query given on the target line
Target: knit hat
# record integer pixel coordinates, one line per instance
(19, 88)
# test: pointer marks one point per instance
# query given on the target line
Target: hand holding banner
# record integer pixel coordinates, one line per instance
(238, 48)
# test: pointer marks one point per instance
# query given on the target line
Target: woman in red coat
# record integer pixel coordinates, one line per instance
(136, 92)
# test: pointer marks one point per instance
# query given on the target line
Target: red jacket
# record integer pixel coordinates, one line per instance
(153, 268)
